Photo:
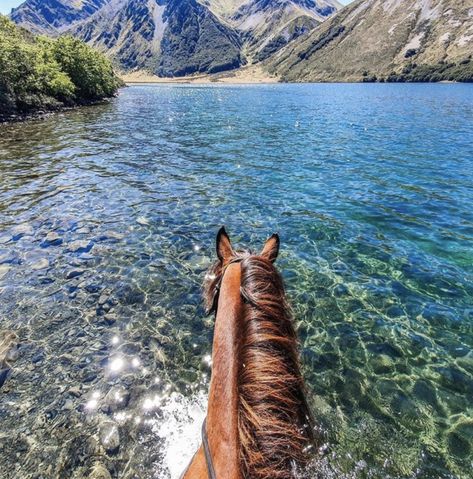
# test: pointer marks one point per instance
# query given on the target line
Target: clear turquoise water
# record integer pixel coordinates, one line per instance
(370, 188)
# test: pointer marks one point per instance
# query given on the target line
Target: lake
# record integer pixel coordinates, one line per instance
(108, 217)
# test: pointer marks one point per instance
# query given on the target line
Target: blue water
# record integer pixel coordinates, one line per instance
(370, 188)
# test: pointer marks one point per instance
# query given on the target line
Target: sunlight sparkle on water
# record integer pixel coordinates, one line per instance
(117, 364)
(92, 404)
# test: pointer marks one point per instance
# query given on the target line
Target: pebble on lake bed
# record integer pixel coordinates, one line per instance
(74, 391)
(111, 235)
(141, 220)
(51, 239)
(74, 273)
(8, 353)
(99, 471)
(68, 405)
(117, 398)
(110, 437)
(42, 263)
(4, 270)
(80, 246)
(19, 231)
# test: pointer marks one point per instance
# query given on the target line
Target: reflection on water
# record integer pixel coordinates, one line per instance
(107, 224)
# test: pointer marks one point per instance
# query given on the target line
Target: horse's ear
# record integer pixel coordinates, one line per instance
(271, 248)
(224, 246)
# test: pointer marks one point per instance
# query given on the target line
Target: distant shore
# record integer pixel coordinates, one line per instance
(246, 75)
(253, 74)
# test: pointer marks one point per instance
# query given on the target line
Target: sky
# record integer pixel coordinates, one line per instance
(7, 5)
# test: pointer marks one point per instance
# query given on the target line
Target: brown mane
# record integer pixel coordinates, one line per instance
(274, 424)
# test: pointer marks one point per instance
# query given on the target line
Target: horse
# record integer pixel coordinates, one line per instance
(258, 423)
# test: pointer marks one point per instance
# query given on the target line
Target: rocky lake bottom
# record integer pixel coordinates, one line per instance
(108, 217)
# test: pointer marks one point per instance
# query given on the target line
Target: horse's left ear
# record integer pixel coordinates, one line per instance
(224, 246)
(271, 248)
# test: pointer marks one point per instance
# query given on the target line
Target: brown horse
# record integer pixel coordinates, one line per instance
(258, 423)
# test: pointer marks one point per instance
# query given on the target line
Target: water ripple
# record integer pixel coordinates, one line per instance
(107, 223)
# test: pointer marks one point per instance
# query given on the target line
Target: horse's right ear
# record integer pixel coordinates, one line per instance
(224, 246)
(271, 248)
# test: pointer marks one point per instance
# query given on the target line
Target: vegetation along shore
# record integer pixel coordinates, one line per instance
(40, 74)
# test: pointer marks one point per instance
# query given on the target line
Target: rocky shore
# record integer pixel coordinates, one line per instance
(42, 114)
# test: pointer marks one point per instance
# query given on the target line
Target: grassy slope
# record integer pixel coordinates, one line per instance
(383, 39)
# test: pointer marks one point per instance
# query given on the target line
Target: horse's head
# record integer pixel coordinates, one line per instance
(226, 256)
(255, 344)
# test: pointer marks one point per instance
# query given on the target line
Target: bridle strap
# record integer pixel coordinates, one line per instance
(208, 456)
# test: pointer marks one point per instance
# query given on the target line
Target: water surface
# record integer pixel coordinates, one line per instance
(108, 216)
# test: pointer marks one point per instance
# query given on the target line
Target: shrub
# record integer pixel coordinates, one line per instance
(41, 73)
(91, 73)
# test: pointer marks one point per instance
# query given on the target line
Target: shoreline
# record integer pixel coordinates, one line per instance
(43, 114)
(246, 75)
(139, 78)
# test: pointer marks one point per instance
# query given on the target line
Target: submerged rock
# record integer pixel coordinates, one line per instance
(68, 405)
(80, 246)
(117, 398)
(110, 437)
(51, 239)
(74, 273)
(19, 231)
(9, 257)
(42, 263)
(4, 270)
(74, 391)
(110, 236)
(104, 297)
(110, 318)
(99, 471)
(141, 220)
(8, 353)
(4, 375)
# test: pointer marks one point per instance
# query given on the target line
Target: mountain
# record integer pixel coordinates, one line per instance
(178, 37)
(53, 16)
(168, 37)
(268, 25)
(394, 40)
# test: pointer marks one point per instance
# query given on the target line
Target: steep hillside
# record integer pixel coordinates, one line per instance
(178, 37)
(396, 40)
(268, 25)
(52, 16)
(168, 37)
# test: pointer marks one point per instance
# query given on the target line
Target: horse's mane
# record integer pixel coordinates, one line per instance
(275, 425)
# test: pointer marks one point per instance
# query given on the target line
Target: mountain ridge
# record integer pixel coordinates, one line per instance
(178, 37)
(398, 40)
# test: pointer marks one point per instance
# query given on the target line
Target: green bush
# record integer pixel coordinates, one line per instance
(442, 71)
(41, 73)
(90, 71)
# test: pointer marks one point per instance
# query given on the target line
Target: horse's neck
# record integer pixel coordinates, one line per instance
(222, 416)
